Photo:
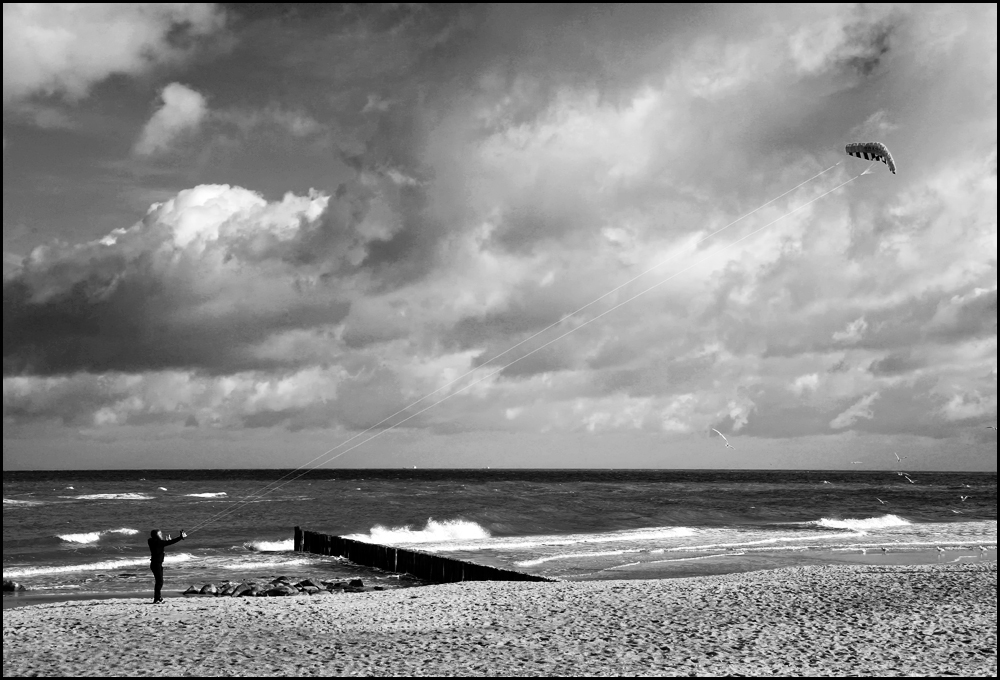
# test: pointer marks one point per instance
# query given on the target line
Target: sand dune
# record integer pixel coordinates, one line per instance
(935, 619)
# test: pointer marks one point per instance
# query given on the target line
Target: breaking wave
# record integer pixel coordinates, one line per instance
(270, 546)
(113, 497)
(883, 522)
(434, 532)
(91, 566)
(95, 536)
(13, 503)
(214, 494)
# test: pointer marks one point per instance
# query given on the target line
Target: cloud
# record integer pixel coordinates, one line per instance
(482, 191)
(853, 333)
(861, 409)
(181, 112)
(65, 49)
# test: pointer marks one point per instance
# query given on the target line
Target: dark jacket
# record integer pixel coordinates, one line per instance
(156, 546)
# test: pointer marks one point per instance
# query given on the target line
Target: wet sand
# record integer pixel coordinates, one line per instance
(821, 620)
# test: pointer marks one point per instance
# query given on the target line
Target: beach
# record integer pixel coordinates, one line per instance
(814, 620)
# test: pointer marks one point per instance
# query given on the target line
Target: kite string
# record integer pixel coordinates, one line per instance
(263, 490)
(557, 338)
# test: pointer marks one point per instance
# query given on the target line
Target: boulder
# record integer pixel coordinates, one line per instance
(124, 575)
(192, 590)
(356, 583)
(280, 579)
(281, 591)
(335, 586)
(12, 586)
(209, 589)
(311, 590)
(255, 591)
(352, 589)
(241, 589)
(227, 589)
(307, 583)
(378, 588)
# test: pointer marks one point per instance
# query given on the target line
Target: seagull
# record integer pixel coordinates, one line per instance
(909, 480)
(898, 459)
(957, 512)
(856, 462)
(940, 551)
(825, 482)
(728, 445)
(881, 501)
(885, 551)
(964, 498)
(982, 551)
(991, 427)
(864, 551)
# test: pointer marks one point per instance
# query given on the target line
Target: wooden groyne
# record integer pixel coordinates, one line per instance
(426, 566)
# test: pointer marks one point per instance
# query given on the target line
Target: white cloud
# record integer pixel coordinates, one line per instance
(862, 409)
(181, 112)
(853, 333)
(63, 48)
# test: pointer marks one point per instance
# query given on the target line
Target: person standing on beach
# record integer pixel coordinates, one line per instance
(156, 545)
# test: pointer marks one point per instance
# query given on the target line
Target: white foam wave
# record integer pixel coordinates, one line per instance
(434, 532)
(267, 564)
(542, 560)
(867, 524)
(91, 566)
(94, 536)
(113, 497)
(214, 494)
(270, 546)
(14, 503)
(529, 542)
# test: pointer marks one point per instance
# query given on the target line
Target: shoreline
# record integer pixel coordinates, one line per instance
(810, 620)
(648, 566)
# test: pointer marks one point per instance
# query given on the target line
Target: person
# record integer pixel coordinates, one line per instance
(156, 545)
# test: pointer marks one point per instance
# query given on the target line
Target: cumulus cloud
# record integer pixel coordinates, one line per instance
(182, 110)
(64, 49)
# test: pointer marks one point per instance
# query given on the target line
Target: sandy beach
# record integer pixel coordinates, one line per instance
(832, 620)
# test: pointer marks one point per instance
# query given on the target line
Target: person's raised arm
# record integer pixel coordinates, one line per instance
(174, 540)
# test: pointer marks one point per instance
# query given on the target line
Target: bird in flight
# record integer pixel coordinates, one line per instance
(856, 462)
(898, 459)
(728, 445)
(908, 478)
(964, 498)
(991, 427)
(881, 501)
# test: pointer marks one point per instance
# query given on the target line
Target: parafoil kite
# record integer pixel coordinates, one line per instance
(872, 151)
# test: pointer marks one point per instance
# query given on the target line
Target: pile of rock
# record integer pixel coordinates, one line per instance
(12, 586)
(281, 586)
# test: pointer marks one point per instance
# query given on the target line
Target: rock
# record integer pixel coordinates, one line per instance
(192, 590)
(311, 590)
(352, 589)
(241, 589)
(255, 591)
(280, 579)
(307, 583)
(281, 591)
(123, 575)
(227, 590)
(325, 592)
(12, 586)
(356, 583)
(209, 589)
(378, 588)
(335, 586)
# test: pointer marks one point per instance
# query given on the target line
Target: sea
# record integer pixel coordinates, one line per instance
(86, 531)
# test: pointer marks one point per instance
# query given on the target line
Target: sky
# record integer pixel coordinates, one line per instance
(240, 236)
